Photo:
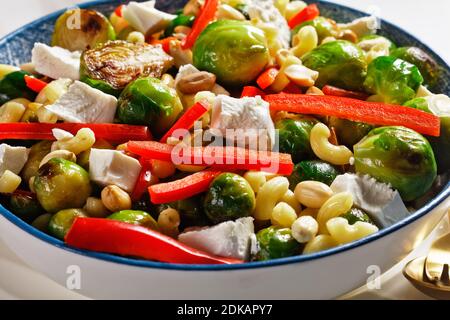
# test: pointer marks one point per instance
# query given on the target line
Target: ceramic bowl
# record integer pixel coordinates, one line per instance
(326, 274)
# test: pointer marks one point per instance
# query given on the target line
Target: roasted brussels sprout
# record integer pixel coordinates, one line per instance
(315, 170)
(398, 156)
(354, 215)
(276, 243)
(61, 184)
(180, 20)
(117, 63)
(235, 51)
(229, 197)
(349, 132)
(13, 86)
(392, 80)
(148, 101)
(41, 223)
(340, 63)
(293, 135)
(25, 207)
(426, 64)
(62, 221)
(37, 152)
(324, 27)
(140, 218)
(81, 29)
(438, 105)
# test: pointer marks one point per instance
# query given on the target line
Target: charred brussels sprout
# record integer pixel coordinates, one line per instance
(25, 207)
(349, 132)
(13, 86)
(340, 63)
(80, 29)
(398, 156)
(439, 105)
(117, 63)
(276, 243)
(229, 197)
(235, 51)
(294, 136)
(392, 80)
(62, 221)
(37, 152)
(315, 170)
(148, 101)
(426, 64)
(324, 27)
(354, 215)
(61, 184)
(136, 217)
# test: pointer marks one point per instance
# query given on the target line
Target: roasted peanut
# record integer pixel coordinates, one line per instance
(195, 82)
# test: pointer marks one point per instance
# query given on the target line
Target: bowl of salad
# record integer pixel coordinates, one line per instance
(219, 149)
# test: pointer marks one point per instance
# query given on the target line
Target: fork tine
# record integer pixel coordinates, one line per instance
(444, 279)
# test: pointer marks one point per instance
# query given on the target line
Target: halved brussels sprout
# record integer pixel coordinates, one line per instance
(422, 60)
(276, 243)
(118, 63)
(25, 207)
(398, 156)
(349, 132)
(81, 29)
(61, 184)
(37, 152)
(235, 51)
(229, 197)
(61, 222)
(354, 215)
(148, 101)
(136, 217)
(340, 63)
(294, 134)
(324, 27)
(315, 170)
(392, 80)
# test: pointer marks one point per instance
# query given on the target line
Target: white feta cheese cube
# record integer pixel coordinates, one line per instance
(233, 239)
(382, 204)
(107, 167)
(56, 62)
(144, 17)
(246, 121)
(84, 104)
(12, 158)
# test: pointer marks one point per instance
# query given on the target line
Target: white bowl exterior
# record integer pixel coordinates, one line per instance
(322, 278)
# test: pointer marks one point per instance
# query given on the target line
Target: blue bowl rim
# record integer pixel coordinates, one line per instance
(250, 265)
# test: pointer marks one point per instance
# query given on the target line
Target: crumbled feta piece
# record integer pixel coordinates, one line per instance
(362, 26)
(84, 104)
(112, 167)
(265, 11)
(145, 18)
(246, 119)
(233, 239)
(56, 62)
(12, 158)
(188, 69)
(382, 204)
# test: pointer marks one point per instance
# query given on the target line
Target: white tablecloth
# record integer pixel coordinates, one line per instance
(428, 20)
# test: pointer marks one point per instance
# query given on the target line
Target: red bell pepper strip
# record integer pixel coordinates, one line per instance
(222, 158)
(143, 181)
(188, 119)
(116, 237)
(338, 92)
(116, 133)
(183, 188)
(165, 43)
(34, 84)
(267, 78)
(307, 14)
(357, 110)
(206, 15)
(118, 11)
(250, 91)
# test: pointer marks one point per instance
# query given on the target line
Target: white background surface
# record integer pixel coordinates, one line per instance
(428, 20)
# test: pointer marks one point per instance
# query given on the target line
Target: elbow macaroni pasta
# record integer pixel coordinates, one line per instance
(9, 182)
(320, 243)
(283, 215)
(304, 41)
(338, 204)
(342, 232)
(12, 111)
(268, 196)
(82, 141)
(289, 198)
(338, 155)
